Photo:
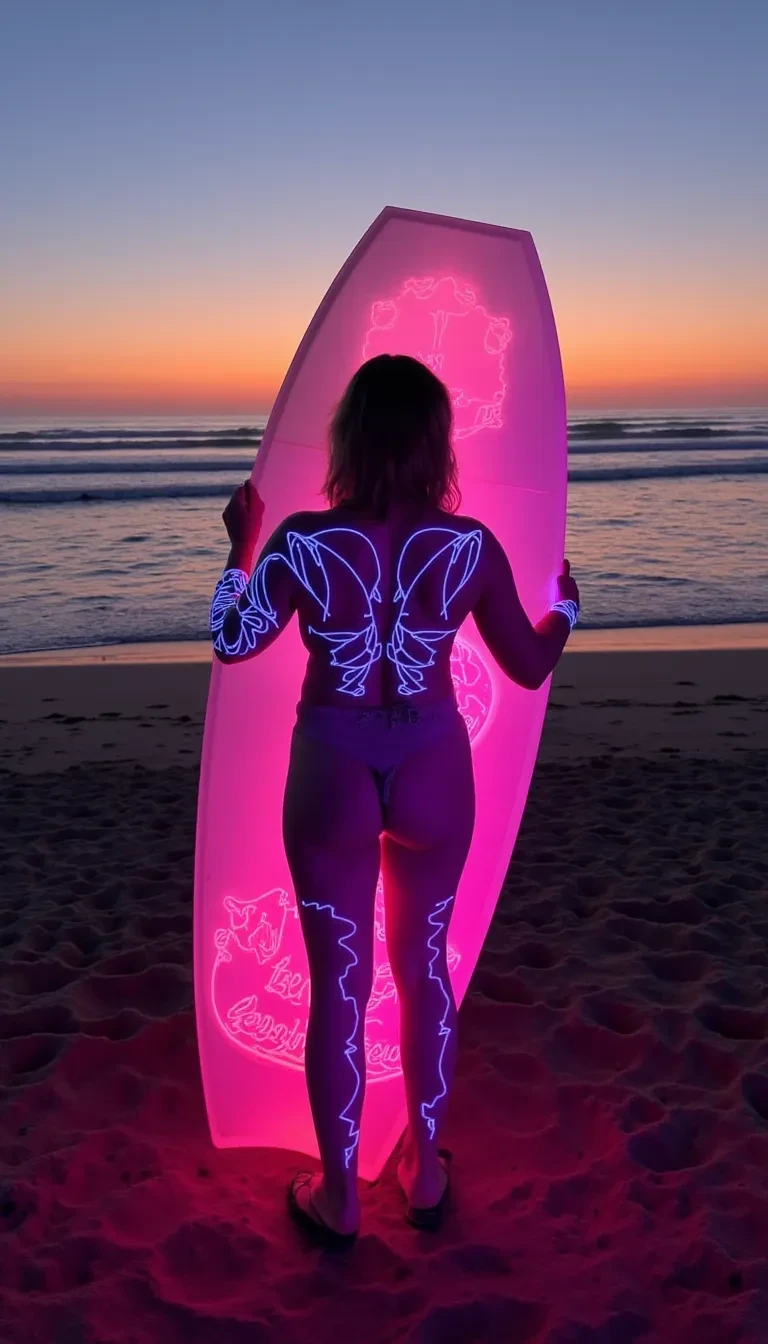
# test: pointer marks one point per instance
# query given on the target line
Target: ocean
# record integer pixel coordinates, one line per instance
(113, 535)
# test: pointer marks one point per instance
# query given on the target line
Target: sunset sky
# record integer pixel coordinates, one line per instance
(181, 179)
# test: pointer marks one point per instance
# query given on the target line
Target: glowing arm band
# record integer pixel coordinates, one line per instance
(568, 609)
(242, 614)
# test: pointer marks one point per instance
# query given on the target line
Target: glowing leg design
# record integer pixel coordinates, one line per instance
(443, 1030)
(352, 1048)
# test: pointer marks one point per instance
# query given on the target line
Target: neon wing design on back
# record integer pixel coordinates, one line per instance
(354, 651)
(413, 651)
(309, 558)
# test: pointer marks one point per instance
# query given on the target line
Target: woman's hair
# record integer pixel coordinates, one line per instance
(390, 439)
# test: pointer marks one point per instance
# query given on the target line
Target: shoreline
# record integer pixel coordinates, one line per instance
(146, 703)
(621, 639)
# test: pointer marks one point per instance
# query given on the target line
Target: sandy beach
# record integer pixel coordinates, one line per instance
(613, 1044)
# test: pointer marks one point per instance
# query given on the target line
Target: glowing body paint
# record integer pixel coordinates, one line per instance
(351, 1048)
(413, 651)
(470, 301)
(354, 651)
(568, 608)
(255, 615)
(443, 1031)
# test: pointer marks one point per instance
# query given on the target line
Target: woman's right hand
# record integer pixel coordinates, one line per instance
(243, 515)
(567, 590)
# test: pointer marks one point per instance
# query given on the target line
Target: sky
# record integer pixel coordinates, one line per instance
(180, 180)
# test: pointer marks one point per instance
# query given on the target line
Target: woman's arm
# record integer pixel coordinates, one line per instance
(249, 610)
(527, 653)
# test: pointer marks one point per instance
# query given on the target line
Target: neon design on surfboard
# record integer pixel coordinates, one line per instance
(470, 301)
(441, 322)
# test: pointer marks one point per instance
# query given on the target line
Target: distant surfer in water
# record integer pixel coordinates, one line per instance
(380, 772)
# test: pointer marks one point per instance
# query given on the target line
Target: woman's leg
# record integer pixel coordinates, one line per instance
(331, 825)
(430, 820)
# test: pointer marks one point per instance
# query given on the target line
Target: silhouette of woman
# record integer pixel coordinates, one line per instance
(380, 772)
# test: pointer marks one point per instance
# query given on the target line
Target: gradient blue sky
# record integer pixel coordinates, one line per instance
(181, 180)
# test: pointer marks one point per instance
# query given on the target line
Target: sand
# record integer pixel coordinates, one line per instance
(609, 1121)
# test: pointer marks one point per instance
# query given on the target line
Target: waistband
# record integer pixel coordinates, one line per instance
(383, 716)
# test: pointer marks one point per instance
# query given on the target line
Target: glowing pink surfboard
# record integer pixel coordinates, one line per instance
(470, 301)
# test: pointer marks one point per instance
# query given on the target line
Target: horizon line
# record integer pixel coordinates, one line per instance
(233, 412)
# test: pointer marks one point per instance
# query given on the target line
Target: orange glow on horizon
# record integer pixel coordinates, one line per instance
(616, 350)
(188, 397)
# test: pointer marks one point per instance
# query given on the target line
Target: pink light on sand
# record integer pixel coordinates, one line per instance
(442, 323)
(260, 982)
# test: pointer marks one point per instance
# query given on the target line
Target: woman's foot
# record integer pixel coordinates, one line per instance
(424, 1183)
(313, 1200)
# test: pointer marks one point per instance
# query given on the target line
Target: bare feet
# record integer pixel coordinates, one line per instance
(314, 1200)
(423, 1185)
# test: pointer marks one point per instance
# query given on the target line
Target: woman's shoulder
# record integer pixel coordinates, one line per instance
(305, 521)
(463, 522)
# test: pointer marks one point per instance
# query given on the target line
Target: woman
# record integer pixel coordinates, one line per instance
(380, 772)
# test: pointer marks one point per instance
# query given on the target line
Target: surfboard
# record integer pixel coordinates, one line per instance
(470, 301)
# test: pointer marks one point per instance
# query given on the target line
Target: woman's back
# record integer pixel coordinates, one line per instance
(379, 602)
(383, 578)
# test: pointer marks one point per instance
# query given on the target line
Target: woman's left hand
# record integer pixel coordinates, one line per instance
(243, 515)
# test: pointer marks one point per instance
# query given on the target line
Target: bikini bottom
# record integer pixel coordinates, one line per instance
(381, 738)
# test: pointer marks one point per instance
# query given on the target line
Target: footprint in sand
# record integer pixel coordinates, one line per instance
(203, 1263)
(38, 977)
(537, 956)
(736, 1024)
(27, 1055)
(678, 968)
(605, 1011)
(677, 1144)
(755, 1089)
(158, 991)
(38, 1020)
